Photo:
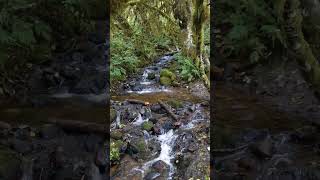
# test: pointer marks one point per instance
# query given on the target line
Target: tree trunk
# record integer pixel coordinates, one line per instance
(293, 17)
(199, 17)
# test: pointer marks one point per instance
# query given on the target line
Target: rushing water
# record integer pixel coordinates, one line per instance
(151, 85)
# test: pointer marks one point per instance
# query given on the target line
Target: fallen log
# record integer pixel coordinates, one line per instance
(135, 101)
(80, 126)
(168, 109)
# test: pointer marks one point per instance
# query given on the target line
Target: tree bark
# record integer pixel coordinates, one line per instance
(293, 18)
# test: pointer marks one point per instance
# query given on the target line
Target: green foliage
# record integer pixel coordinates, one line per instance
(255, 28)
(115, 150)
(147, 125)
(187, 70)
(123, 57)
(149, 29)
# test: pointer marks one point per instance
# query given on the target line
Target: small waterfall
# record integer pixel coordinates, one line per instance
(139, 120)
(118, 123)
(166, 155)
(196, 117)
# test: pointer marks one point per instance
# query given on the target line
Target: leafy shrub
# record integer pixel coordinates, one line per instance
(114, 151)
(187, 70)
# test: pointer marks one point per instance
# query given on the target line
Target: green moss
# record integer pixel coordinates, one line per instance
(147, 125)
(113, 114)
(115, 150)
(165, 81)
(167, 73)
(141, 146)
(116, 134)
(175, 104)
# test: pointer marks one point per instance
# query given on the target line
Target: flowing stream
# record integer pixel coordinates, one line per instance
(147, 88)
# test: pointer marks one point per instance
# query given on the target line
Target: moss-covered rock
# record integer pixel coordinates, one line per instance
(113, 114)
(148, 125)
(9, 164)
(175, 104)
(167, 73)
(116, 134)
(141, 146)
(115, 147)
(165, 81)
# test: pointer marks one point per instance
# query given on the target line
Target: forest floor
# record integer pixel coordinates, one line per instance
(266, 124)
(161, 131)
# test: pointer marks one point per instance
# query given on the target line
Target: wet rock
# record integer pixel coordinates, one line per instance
(282, 162)
(49, 131)
(151, 76)
(21, 146)
(152, 176)
(156, 108)
(157, 129)
(263, 148)
(160, 167)
(138, 148)
(185, 141)
(22, 132)
(147, 125)
(124, 171)
(116, 134)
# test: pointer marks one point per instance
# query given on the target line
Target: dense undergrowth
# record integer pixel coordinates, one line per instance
(250, 30)
(130, 53)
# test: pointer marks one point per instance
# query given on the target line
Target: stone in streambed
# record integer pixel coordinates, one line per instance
(113, 114)
(151, 76)
(147, 125)
(116, 134)
(175, 104)
(263, 148)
